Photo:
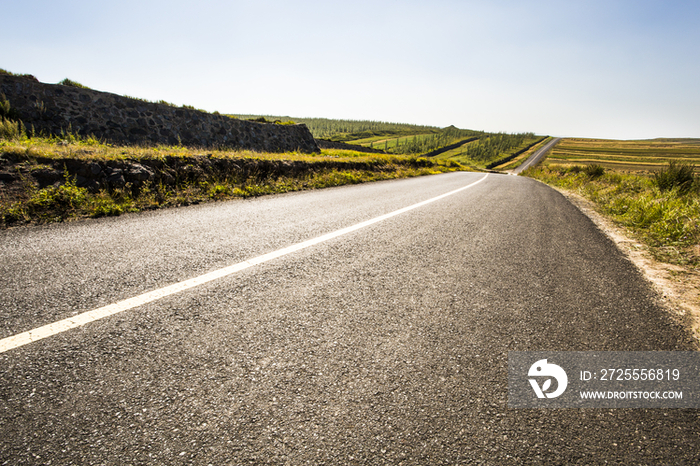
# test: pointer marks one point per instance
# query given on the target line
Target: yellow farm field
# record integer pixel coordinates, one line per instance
(627, 156)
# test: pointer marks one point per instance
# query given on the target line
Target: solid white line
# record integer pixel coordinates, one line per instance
(39, 333)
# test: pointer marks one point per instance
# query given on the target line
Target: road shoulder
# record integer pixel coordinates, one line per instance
(678, 287)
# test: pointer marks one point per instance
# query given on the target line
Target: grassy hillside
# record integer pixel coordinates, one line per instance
(394, 138)
(477, 148)
(489, 150)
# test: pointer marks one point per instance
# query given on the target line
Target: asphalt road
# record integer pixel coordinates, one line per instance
(537, 156)
(387, 345)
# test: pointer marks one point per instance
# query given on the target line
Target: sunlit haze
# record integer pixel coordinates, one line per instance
(608, 69)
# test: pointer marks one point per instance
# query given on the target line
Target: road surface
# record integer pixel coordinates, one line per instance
(537, 156)
(386, 344)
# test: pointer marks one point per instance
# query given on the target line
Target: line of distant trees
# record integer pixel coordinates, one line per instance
(407, 139)
(425, 144)
(340, 130)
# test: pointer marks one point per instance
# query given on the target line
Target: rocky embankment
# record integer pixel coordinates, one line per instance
(53, 109)
(16, 172)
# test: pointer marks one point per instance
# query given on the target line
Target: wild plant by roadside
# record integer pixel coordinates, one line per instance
(676, 175)
(667, 220)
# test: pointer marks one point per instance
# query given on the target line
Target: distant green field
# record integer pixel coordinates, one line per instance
(381, 140)
(351, 131)
(395, 138)
(628, 156)
(392, 143)
(407, 139)
(480, 153)
(457, 154)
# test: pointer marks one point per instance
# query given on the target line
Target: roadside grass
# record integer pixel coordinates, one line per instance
(28, 203)
(665, 218)
(89, 148)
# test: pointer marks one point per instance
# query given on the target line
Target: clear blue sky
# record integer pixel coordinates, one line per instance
(610, 69)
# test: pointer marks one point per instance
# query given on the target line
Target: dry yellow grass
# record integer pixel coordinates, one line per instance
(630, 156)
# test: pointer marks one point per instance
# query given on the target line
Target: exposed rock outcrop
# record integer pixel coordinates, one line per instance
(52, 108)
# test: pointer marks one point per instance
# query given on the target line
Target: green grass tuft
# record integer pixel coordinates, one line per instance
(71, 83)
(676, 175)
(11, 130)
(594, 171)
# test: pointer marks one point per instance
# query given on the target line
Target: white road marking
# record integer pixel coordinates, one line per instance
(46, 331)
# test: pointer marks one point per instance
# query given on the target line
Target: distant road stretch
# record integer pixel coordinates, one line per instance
(537, 156)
